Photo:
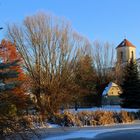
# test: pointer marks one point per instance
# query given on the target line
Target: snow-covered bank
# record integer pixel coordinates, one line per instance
(88, 133)
(116, 108)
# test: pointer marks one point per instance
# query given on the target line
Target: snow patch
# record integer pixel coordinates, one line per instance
(49, 125)
(116, 108)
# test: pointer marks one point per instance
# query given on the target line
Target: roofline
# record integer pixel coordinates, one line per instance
(124, 47)
(125, 43)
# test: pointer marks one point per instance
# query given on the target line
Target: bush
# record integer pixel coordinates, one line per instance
(126, 117)
(67, 119)
(107, 118)
(93, 118)
(96, 118)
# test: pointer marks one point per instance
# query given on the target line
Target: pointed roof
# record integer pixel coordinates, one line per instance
(125, 43)
(107, 88)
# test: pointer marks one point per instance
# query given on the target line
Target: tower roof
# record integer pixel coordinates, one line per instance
(125, 43)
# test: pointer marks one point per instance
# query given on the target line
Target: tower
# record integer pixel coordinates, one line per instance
(125, 51)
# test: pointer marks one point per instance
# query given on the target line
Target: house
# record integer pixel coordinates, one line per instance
(110, 95)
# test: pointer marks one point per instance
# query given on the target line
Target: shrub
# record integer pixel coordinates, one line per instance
(126, 117)
(93, 118)
(107, 118)
(96, 118)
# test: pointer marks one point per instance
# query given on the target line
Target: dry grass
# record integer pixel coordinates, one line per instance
(94, 118)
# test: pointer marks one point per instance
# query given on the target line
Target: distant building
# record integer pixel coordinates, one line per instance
(110, 95)
(125, 52)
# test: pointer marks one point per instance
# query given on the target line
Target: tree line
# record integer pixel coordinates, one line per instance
(65, 68)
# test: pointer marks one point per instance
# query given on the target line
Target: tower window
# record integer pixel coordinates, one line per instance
(132, 54)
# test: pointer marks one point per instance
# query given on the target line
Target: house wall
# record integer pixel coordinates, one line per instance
(114, 91)
(112, 97)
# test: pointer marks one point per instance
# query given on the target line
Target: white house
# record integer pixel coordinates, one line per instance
(110, 95)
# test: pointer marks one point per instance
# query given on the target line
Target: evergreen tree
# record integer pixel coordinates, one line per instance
(9, 53)
(85, 80)
(7, 86)
(131, 86)
(10, 119)
(7, 108)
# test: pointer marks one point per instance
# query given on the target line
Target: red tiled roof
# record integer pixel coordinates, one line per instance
(125, 43)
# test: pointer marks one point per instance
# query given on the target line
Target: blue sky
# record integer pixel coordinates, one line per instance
(104, 20)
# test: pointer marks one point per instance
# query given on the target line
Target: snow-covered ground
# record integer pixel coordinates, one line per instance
(88, 133)
(104, 108)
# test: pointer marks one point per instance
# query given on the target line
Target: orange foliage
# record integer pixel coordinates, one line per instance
(9, 53)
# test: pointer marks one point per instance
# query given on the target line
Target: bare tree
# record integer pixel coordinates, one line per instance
(49, 48)
(104, 60)
(104, 63)
(119, 70)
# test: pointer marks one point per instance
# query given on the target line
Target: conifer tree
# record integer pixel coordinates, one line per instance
(9, 53)
(130, 98)
(7, 108)
(10, 119)
(85, 80)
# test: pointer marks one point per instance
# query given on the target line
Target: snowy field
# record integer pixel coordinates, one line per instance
(88, 133)
(104, 108)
